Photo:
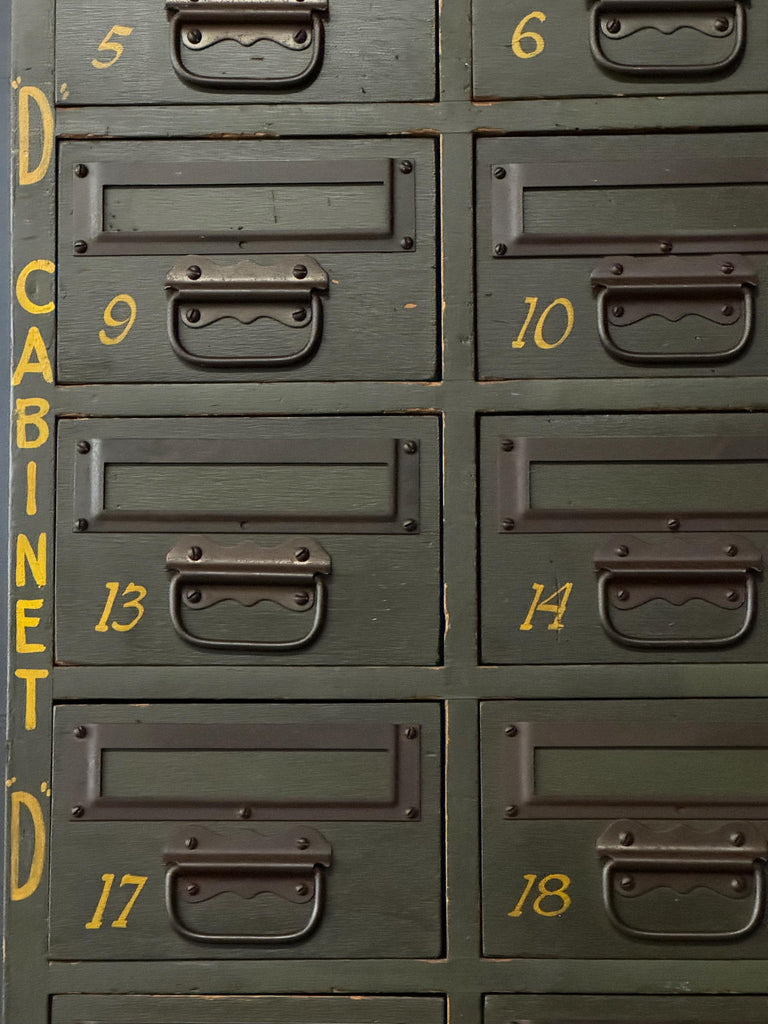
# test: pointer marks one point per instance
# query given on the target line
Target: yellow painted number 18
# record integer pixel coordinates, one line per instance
(552, 900)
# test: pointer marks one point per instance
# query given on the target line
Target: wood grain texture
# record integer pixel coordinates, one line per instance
(566, 67)
(372, 54)
(513, 847)
(512, 562)
(380, 317)
(384, 593)
(384, 896)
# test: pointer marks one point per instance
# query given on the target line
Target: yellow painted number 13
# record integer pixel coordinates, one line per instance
(113, 589)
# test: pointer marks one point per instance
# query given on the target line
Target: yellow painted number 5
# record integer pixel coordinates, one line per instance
(531, 38)
(110, 45)
(102, 626)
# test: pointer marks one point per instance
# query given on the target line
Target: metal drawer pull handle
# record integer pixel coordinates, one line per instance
(287, 290)
(631, 572)
(291, 575)
(290, 866)
(639, 860)
(618, 19)
(292, 24)
(630, 289)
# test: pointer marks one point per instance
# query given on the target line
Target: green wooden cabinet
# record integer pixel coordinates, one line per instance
(196, 261)
(219, 51)
(621, 256)
(655, 1009)
(247, 1010)
(247, 831)
(622, 539)
(388, 513)
(614, 47)
(299, 540)
(624, 830)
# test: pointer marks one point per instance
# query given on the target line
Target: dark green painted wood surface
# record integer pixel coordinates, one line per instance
(462, 974)
(380, 318)
(562, 842)
(504, 286)
(371, 55)
(247, 1010)
(383, 590)
(384, 896)
(565, 66)
(513, 561)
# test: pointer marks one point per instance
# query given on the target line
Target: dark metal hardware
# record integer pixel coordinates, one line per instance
(246, 291)
(683, 858)
(646, 797)
(82, 766)
(677, 572)
(619, 19)
(514, 484)
(291, 24)
(509, 237)
(91, 495)
(398, 199)
(248, 574)
(674, 287)
(247, 865)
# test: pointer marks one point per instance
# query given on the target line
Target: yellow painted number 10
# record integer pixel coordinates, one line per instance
(565, 305)
(552, 899)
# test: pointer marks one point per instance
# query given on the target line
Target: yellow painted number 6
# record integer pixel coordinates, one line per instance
(112, 321)
(109, 45)
(521, 34)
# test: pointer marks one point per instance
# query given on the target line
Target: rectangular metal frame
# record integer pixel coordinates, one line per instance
(88, 206)
(508, 220)
(513, 483)
(90, 472)
(82, 759)
(518, 782)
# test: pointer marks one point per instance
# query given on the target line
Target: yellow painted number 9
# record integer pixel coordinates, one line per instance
(521, 34)
(113, 321)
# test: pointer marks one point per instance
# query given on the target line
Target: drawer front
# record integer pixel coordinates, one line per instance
(245, 51)
(247, 831)
(308, 540)
(621, 256)
(623, 539)
(656, 1009)
(98, 1009)
(617, 48)
(646, 825)
(247, 261)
